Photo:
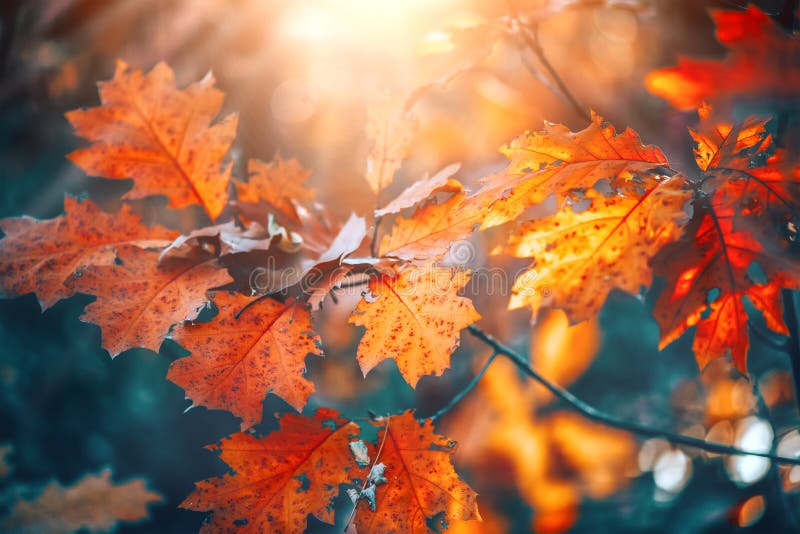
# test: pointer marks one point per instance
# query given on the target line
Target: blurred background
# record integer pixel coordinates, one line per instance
(302, 74)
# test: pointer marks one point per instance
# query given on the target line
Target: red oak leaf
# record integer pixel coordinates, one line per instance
(236, 361)
(159, 136)
(138, 299)
(279, 479)
(39, 256)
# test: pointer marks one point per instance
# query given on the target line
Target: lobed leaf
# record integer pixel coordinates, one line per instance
(160, 136)
(236, 361)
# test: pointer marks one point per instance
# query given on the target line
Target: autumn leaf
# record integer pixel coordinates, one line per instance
(159, 136)
(415, 318)
(557, 161)
(422, 189)
(93, 503)
(747, 173)
(138, 300)
(718, 260)
(318, 229)
(279, 479)
(236, 361)
(725, 327)
(719, 145)
(279, 184)
(271, 267)
(320, 286)
(762, 61)
(431, 231)
(390, 132)
(38, 256)
(581, 256)
(747, 196)
(421, 484)
(347, 241)
(220, 240)
(328, 270)
(316, 271)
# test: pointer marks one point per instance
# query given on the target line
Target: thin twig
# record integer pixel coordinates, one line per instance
(610, 420)
(530, 37)
(366, 479)
(463, 393)
(541, 78)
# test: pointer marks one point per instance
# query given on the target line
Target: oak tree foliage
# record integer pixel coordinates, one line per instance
(273, 256)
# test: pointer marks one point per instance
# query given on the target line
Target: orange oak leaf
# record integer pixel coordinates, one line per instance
(236, 361)
(138, 300)
(279, 184)
(558, 161)
(39, 256)
(279, 479)
(390, 132)
(762, 61)
(93, 504)
(159, 136)
(747, 196)
(420, 485)
(415, 318)
(432, 230)
(421, 190)
(580, 256)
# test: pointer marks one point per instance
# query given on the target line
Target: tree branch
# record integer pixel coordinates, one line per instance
(463, 393)
(530, 37)
(610, 420)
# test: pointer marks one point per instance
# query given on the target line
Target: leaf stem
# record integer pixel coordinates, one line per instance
(251, 303)
(464, 392)
(610, 420)
(373, 244)
(366, 479)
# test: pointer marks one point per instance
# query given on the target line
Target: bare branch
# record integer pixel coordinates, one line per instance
(607, 419)
(530, 37)
(463, 393)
